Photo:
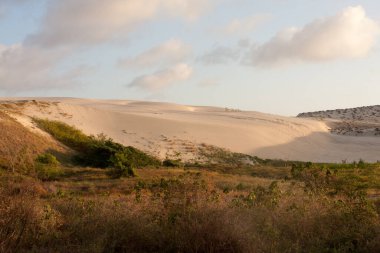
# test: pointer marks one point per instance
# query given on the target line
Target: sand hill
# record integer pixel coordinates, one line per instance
(172, 130)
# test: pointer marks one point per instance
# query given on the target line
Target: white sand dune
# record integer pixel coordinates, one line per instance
(166, 129)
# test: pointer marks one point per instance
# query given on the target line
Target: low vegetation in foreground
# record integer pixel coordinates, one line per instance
(96, 195)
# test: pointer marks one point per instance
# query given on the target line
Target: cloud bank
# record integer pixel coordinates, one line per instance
(70, 26)
(23, 68)
(88, 22)
(349, 34)
(163, 78)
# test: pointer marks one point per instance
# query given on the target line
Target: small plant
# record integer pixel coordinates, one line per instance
(361, 164)
(172, 163)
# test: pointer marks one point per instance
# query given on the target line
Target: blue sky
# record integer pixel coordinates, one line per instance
(276, 56)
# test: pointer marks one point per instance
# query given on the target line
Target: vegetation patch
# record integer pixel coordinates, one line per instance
(47, 167)
(187, 213)
(172, 163)
(98, 151)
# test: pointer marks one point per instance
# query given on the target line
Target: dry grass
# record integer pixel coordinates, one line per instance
(19, 147)
(184, 212)
(92, 182)
(15, 152)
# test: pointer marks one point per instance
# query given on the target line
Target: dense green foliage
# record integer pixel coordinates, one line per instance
(99, 151)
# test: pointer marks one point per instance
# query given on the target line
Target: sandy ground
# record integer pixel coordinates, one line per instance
(171, 130)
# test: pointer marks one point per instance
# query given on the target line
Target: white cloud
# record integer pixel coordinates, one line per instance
(221, 55)
(163, 78)
(243, 26)
(86, 22)
(349, 34)
(23, 68)
(168, 53)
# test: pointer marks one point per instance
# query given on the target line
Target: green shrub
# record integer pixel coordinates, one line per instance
(47, 167)
(121, 166)
(47, 159)
(137, 158)
(172, 163)
(96, 151)
(361, 164)
(64, 133)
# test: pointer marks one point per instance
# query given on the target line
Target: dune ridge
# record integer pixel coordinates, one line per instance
(172, 130)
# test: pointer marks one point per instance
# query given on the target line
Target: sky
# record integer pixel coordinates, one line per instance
(275, 56)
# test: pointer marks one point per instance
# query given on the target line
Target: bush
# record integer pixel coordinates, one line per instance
(47, 167)
(172, 163)
(47, 159)
(121, 166)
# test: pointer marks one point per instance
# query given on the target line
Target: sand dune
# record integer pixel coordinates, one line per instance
(166, 129)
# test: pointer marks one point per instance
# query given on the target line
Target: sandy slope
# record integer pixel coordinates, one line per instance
(168, 129)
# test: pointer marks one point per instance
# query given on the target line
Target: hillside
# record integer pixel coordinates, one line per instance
(183, 132)
(19, 147)
(360, 121)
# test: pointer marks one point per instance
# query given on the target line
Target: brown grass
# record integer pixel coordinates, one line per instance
(19, 147)
(184, 212)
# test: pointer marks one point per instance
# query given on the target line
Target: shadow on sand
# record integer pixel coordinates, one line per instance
(325, 147)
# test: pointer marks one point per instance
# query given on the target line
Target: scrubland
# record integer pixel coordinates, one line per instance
(79, 193)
